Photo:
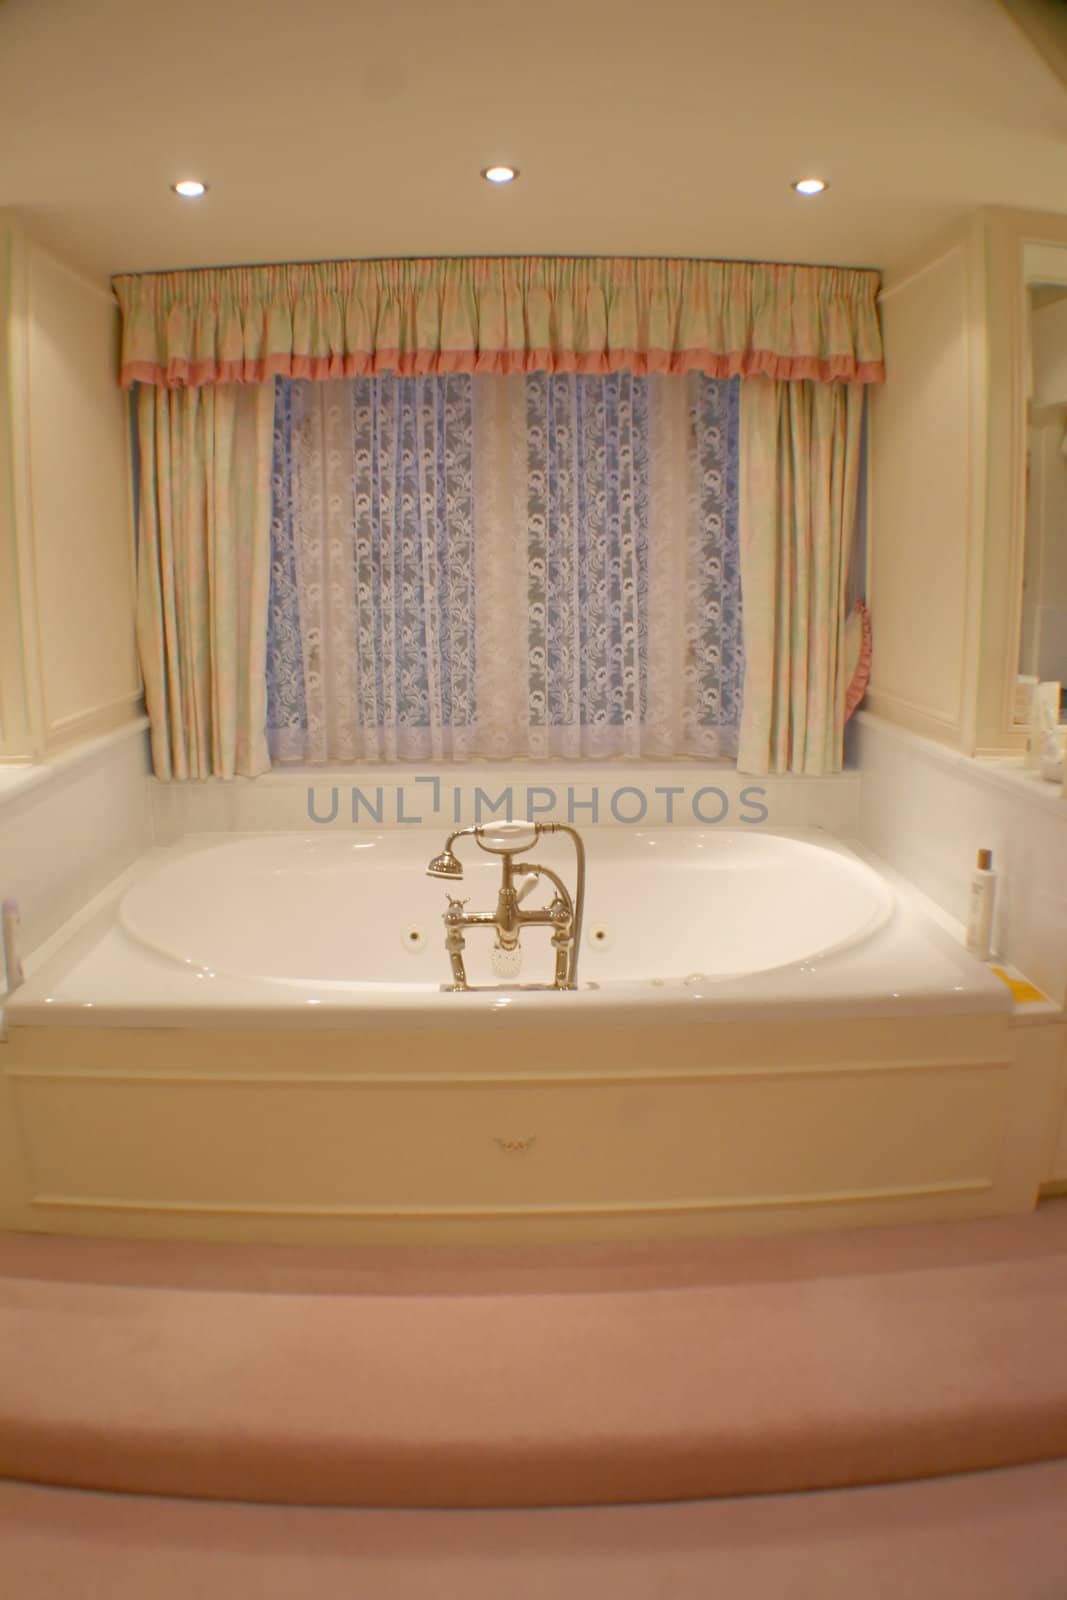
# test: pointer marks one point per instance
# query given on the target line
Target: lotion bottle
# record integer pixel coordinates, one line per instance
(980, 914)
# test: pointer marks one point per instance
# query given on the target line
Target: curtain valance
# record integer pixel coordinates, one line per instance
(499, 314)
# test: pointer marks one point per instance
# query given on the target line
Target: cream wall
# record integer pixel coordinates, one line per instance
(947, 489)
(79, 488)
(65, 524)
(925, 496)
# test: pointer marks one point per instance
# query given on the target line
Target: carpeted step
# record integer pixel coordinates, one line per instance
(986, 1536)
(593, 1376)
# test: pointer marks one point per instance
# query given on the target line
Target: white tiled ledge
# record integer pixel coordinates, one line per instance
(18, 780)
(561, 769)
(1000, 772)
(1026, 1013)
(442, 794)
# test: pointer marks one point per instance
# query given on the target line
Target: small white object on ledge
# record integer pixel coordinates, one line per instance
(1046, 733)
(1024, 708)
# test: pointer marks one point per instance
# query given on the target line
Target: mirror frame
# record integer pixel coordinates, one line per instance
(1021, 248)
(20, 711)
(1044, 266)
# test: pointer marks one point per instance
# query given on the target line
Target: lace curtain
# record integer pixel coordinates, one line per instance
(504, 566)
(372, 649)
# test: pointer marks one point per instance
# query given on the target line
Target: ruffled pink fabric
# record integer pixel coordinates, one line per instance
(861, 674)
(500, 315)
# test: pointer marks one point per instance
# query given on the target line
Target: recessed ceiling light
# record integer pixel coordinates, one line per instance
(189, 188)
(810, 185)
(500, 174)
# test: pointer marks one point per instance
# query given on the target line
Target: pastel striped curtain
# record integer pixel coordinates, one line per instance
(799, 490)
(203, 576)
(500, 315)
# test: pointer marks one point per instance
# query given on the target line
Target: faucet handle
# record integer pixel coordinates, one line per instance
(525, 883)
(458, 904)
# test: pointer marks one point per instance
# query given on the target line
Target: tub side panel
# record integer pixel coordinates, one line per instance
(393, 1135)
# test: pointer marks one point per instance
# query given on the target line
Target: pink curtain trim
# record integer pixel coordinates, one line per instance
(747, 364)
(500, 315)
(861, 677)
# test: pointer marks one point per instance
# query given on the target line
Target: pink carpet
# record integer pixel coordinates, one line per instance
(577, 1377)
(987, 1536)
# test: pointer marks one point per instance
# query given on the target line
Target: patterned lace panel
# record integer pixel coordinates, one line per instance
(714, 647)
(504, 567)
(587, 563)
(372, 648)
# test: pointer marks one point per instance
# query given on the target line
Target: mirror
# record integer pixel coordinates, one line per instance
(1043, 617)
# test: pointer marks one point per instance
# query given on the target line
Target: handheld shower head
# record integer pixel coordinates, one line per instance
(446, 865)
(499, 839)
(506, 838)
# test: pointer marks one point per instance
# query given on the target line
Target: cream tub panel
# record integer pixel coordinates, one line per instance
(774, 1037)
(738, 1129)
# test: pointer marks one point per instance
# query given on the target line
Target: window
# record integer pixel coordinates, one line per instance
(527, 566)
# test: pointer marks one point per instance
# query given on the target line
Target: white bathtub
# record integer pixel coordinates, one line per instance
(701, 921)
(334, 912)
(249, 1038)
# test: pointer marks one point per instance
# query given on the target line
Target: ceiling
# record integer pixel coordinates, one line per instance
(332, 128)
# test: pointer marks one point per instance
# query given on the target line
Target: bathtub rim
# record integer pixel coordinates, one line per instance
(913, 964)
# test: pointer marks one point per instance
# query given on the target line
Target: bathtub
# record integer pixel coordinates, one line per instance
(251, 1037)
